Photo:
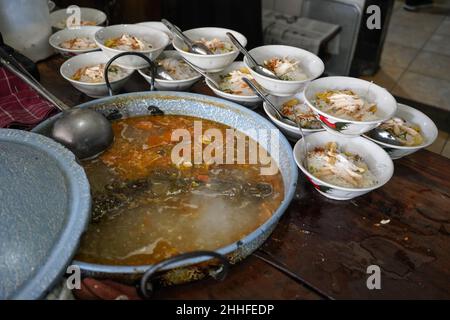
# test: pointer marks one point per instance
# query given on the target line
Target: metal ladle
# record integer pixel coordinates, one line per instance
(198, 48)
(85, 132)
(251, 61)
(264, 95)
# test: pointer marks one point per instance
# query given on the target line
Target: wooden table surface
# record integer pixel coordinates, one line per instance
(329, 244)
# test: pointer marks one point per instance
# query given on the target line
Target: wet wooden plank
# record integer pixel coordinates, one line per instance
(250, 279)
(331, 243)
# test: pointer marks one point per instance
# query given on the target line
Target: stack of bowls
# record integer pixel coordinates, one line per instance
(351, 135)
(158, 39)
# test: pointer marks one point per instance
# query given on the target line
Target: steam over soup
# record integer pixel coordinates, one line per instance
(147, 208)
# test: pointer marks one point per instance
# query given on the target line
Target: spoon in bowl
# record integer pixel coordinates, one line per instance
(85, 132)
(203, 73)
(252, 62)
(264, 95)
(194, 47)
(161, 73)
(383, 136)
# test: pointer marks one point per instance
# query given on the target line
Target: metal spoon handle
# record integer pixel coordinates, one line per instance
(202, 72)
(175, 30)
(263, 95)
(29, 79)
(242, 49)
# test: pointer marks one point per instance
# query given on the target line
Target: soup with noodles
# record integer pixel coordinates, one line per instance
(147, 208)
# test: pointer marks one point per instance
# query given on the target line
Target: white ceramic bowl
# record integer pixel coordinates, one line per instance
(209, 63)
(376, 158)
(59, 17)
(386, 104)
(158, 39)
(157, 25)
(292, 132)
(66, 34)
(249, 101)
(95, 90)
(171, 85)
(429, 132)
(309, 62)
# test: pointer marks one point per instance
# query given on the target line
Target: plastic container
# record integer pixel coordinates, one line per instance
(25, 26)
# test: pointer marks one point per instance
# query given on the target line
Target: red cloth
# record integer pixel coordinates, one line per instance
(21, 106)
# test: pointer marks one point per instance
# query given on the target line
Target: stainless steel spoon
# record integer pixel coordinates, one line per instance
(161, 73)
(251, 61)
(264, 95)
(203, 73)
(85, 132)
(194, 47)
(383, 136)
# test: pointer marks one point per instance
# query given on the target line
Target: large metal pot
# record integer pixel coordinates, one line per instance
(231, 114)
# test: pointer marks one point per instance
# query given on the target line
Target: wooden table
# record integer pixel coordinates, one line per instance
(329, 244)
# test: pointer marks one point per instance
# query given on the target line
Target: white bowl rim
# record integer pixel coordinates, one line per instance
(52, 38)
(311, 176)
(424, 145)
(102, 45)
(329, 116)
(211, 55)
(129, 71)
(303, 51)
(103, 14)
(236, 97)
(173, 53)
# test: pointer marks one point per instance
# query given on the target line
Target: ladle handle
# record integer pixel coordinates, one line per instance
(242, 49)
(176, 31)
(147, 59)
(15, 67)
(146, 286)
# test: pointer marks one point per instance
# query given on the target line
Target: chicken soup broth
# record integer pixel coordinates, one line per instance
(147, 208)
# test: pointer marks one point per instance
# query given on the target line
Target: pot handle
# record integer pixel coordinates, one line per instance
(147, 59)
(146, 286)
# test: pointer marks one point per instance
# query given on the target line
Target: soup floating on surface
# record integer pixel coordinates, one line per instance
(147, 208)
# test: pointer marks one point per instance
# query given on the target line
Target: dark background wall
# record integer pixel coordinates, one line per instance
(240, 15)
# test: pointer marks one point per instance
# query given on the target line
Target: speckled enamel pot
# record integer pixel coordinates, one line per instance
(45, 207)
(229, 113)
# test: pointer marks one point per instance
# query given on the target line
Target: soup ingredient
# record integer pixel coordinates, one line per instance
(298, 111)
(80, 43)
(177, 68)
(286, 68)
(95, 73)
(146, 208)
(232, 82)
(340, 168)
(217, 46)
(128, 43)
(72, 23)
(407, 133)
(346, 104)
